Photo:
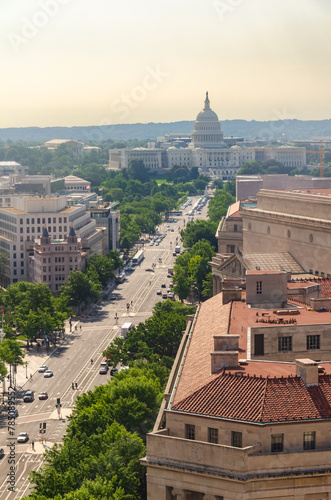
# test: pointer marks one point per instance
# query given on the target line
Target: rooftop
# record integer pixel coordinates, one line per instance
(235, 318)
(260, 399)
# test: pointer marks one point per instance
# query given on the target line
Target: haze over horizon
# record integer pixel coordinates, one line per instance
(77, 64)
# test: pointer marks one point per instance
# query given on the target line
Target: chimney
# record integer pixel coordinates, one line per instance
(307, 369)
(225, 354)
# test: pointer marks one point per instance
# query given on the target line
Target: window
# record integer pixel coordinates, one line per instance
(309, 440)
(232, 249)
(313, 341)
(28, 221)
(235, 228)
(21, 221)
(277, 442)
(236, 439)
(38, 220)
(284, 344)
(212, 435)
(259, 287)
(54, 220)
(49, 220)
(189, 431)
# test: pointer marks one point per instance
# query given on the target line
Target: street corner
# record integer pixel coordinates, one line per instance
(65, 413)
(39, 447)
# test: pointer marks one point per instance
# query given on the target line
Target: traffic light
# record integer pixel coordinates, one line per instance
(44, 425)
(58, 401)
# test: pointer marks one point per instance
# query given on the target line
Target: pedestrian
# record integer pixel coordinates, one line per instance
(32, 443)
(73, 385)
(80, 327)
(132, 302)
(31, 377)
(42, 440)
(76, 385)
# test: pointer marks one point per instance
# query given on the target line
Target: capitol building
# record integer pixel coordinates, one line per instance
(205, 148)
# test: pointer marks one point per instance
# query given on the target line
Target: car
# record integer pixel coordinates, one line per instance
(171, 285)
(2, 452)
(113, 371)
(175, 220)
(103, 370)
(28, 397)
(43, 395)
(150, 269)
(104, 364)
(158, 292)
(163, 285)
(174, 254)
(169, 275)
(151, 244)
(157, 243)
(48, 374)
(164, 295)
(112, 297)
(13, 413)
(129, 269)
(23, 437)
(172, 230)
(42, 368)
(170, 295)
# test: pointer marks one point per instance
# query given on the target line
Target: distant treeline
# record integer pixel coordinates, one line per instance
(271, 130)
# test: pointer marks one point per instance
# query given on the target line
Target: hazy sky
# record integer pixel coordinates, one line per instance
(84, 62)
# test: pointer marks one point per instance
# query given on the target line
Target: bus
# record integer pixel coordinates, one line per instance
(138, 258)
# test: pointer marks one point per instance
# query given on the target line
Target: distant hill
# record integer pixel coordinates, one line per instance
(293, 129)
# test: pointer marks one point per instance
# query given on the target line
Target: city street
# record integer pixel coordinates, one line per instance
(71, 362)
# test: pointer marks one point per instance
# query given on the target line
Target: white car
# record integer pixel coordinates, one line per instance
(23, 437)
(48, 374)
(42, 369)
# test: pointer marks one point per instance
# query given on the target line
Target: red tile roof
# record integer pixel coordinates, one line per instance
(260, 400)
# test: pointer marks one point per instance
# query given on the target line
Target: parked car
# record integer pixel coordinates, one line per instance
(174, 254)
(43, 395)
(42, 369)
(164, 295)
(163, 285)
(103, 370)
(48, 374)
(28, 397)
(104, 364)
(159, 292)
(23, 437)
(113, 371)
(2, 452)
(129, 269)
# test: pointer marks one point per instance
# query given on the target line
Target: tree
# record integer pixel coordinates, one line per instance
(80, 288)
(102, 266)
(251, 168)
(198, 230)
(219, 205)
(138, 171)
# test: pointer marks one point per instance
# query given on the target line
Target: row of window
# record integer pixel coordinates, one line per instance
(277, 440)
(39, 230)
(43, 220)
(312, 342)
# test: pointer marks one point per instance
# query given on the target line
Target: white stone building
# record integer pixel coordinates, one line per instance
(207, 150)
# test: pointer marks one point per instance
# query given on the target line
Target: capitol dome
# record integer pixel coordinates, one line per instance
(207, 131)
